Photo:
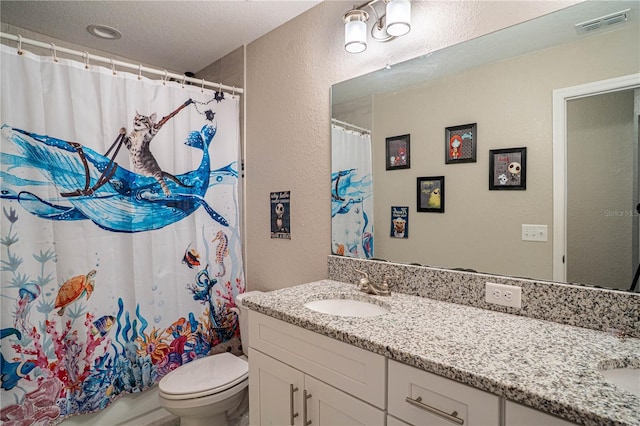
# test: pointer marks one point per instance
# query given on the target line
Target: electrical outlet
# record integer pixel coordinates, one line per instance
(502, 294)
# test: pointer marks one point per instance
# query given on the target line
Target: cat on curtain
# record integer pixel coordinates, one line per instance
(144, 163)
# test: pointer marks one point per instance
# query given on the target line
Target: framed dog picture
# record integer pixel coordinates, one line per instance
(508, 169)
(431, 194)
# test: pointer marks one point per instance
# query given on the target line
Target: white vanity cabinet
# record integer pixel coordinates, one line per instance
(520, 415)
(297, 376)
(421, 398)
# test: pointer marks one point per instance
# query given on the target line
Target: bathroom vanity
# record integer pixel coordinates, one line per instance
(427, 362)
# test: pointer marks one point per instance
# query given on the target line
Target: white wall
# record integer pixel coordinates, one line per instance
(288, 79)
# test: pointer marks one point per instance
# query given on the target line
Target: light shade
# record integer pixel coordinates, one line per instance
(355, 31)
(398, 17)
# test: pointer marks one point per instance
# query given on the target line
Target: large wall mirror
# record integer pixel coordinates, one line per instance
(502, 84)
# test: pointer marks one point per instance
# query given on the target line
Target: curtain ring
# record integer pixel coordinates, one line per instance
(113, 67)
(233, 93)
(139, 71)
(85, 55)
(202, 87)
(184, 78)
(19, 44)
(54, 53)
(164, 79)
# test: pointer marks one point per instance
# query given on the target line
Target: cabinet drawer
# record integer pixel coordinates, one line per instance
(422, 398)
(356, 371)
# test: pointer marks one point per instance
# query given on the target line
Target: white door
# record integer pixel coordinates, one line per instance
(601, 204)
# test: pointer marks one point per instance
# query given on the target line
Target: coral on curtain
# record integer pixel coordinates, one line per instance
(351, 193)
(119, 239)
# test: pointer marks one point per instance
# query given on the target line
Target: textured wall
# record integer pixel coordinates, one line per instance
(509, 114)
(289, 75)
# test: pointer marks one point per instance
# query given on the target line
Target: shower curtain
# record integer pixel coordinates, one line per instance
(351, 193)
(119, 239)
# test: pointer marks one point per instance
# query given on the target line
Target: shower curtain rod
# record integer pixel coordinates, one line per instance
(354, 127)
(114, 62)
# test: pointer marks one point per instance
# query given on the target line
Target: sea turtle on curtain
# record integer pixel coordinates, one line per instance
(125, 202)
(74, 288)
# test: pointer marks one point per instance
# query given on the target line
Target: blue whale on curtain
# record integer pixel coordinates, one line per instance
(128, 202)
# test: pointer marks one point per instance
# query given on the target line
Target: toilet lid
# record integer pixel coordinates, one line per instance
(205, 376)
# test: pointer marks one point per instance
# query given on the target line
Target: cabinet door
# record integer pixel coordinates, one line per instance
(519, 415)
(328, 406)
(275, 392)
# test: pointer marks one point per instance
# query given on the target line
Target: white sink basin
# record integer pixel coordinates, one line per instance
(346, 308)
(624, 378)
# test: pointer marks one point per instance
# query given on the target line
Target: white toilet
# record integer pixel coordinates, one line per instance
(211, 390)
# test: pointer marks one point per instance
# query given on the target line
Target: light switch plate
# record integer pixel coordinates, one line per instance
(534, 233)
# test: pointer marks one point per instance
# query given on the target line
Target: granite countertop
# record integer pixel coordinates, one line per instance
(548, 366)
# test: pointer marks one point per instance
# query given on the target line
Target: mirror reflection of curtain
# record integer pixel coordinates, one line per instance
(351, 193)
(601, 213)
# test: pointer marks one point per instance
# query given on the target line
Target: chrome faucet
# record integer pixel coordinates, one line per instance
(367, 286)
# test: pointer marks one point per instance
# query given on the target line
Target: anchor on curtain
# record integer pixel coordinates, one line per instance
(119, 240)
(351, 193)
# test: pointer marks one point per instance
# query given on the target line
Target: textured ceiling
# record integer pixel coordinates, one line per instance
(175, 35)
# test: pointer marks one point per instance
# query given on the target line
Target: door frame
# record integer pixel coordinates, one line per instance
(560, 98)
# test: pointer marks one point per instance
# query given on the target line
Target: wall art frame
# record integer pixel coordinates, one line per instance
(280, 203)
(399, 222)
(460, 143)
(508, 169)
(430, 191)
(398, 152)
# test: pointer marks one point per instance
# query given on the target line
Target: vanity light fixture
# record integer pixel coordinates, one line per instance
(392, 19)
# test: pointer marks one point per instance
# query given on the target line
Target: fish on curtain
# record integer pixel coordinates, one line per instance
(117, 265)
(351, 193)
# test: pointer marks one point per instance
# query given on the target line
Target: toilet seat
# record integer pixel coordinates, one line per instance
(204, 377)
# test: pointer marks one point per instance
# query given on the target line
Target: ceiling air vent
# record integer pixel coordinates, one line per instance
(602, 22)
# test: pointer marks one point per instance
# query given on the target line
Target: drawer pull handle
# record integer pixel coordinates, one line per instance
(304, 408)
(418, 403)
(293, 415)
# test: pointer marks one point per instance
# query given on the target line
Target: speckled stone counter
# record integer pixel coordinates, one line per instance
(548, 366)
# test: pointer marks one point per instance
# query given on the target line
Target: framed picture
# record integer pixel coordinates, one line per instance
(280, 214)
(460, 144)
(508, 169)
(431, 194)
(397, 152)
(399, 221)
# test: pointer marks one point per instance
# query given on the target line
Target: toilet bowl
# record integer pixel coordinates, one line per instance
(211, 390)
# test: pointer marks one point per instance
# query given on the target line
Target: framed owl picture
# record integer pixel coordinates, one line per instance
(431, 194)
(508, 169)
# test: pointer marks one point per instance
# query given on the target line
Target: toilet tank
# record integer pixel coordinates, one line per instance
(243, 318)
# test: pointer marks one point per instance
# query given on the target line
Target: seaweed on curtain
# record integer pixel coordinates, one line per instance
(82, 364)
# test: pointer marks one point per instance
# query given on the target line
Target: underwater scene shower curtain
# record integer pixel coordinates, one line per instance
(351, 193)
(119, 233)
